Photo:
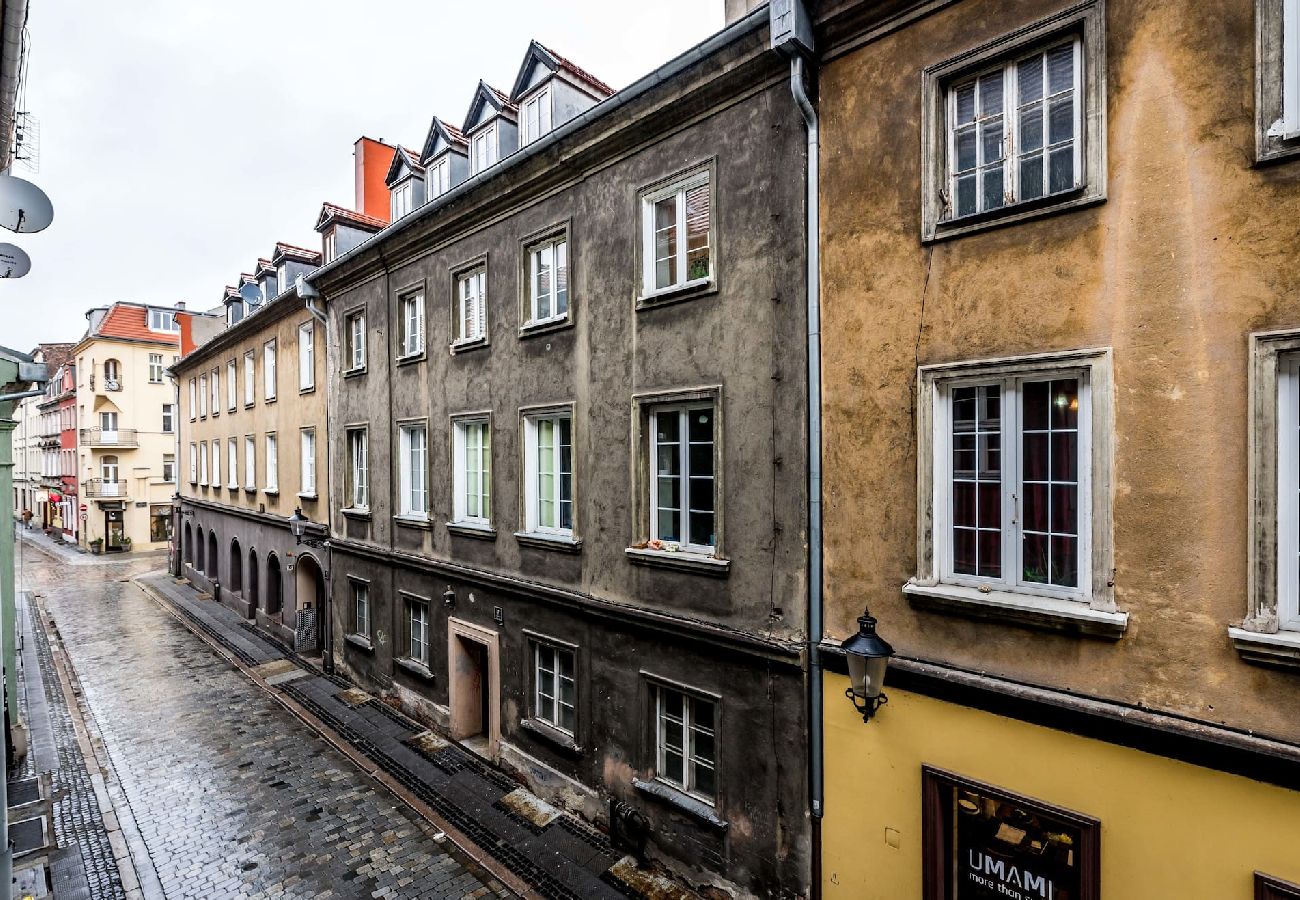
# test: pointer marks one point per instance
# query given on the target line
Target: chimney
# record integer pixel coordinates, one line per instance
(372, 159)
(738, 9)
(180, 304)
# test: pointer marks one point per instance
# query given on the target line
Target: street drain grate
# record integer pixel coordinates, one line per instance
(23, 792)
(28, 835)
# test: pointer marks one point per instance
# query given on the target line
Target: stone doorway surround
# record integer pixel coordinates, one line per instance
(466, 677)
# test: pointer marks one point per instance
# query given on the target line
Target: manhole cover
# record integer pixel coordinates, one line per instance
(23, 792)
(27, 835)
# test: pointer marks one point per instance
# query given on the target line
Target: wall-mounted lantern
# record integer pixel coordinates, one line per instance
(868, 658)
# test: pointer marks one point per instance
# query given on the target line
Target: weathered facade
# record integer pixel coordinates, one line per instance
(568, 504)
(1059, 318)
(253, 444)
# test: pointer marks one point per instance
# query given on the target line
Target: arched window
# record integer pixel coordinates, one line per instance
(236, 567)
(253, 578)
(187, 551)
(198, 548)
(213, 570)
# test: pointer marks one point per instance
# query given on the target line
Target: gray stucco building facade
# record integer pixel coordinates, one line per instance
(568, 462)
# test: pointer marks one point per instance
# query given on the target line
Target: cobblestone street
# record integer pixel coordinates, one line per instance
(232, 796)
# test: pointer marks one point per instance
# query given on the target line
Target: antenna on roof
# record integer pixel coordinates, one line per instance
(251, 294)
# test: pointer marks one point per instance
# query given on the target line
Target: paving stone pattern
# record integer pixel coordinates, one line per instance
(564, 859)
(233, 796)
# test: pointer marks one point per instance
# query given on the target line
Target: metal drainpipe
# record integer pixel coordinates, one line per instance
(177, 515)
(815, 737)
(311, 298)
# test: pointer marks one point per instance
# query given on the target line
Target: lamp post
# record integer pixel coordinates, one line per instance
(868, 658)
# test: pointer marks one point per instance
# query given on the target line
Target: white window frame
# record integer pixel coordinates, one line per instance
(678, 187)
(1089, 608)
(281, 279)
(1009, 113)
(307, 462)
(216, 463)
(203, 396)
(471, 301)
(155, 368)
(358, 450)
(532, 474)
(690, 759)
(215, 386)
(682, 412)
(169, 418)
(1288, 492)
(486, 139)
(329, 245)
(272, 444)
(194, 463)
(541, 102)
(250, 377)
(410, 487)
(203, 463)
(232, 386)
(169, 468)
(547, 708)
(360, 618)
(401, 199)
(356, 332)
(306, 356)
(461, 481)
(269, 375)
(439, 177)
(163, 320)
(558, 245)
(416, 625)
(232, 463)
(250, 463)
(411, 322)
(194, 399)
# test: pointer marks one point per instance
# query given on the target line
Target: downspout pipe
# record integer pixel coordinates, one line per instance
(311, 298)
(11, 61)
(816, 788)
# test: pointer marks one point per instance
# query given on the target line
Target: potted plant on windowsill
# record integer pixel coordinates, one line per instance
(97, 545)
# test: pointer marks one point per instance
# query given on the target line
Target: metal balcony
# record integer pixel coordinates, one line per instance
(102, 437)
(101, 489)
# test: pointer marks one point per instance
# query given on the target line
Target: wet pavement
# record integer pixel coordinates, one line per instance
(229, 794)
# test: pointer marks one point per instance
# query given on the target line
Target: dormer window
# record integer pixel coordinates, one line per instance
(329, 249)
(280, 283)
(483, 150)
(163, 320)
(439, 177)
(537, 115)
(403, 199)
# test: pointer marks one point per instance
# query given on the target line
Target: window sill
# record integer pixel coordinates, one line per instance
(233, 409)
(302, 495)
(307, 390)
(353, 373)
(552, 735)
(478, 532)
(680, 561)
(356, 512)
(253, 490)
(270, 492)
(361, 642)
(1065, 201)
(545, 326)
(420, 522)
(468, 345)
(696, 809)
(415, 667)
(410, 358)
(248, 404)
(1279, 649)
(562, 543)
(1046, 613)
(232, 487)
(670, 295)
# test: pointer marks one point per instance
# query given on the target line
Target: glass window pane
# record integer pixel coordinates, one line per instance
(1031, 128)
(703, 715)
(1060, 125)
(1065, 561)
(965, 103)
(990, 89)
(1060, 68)
(561, 278)
(1031, 177)
(1061, 170)
(1034, 507)
(702, 533)
(1035, 461)
(994, 194)
(700, 425)
(1036, 561)
(697, 232)
(1029, 76)
(991, 141)
(967, 158)
(990, 554)
(963, 504)
(966, 195)
(701, 494)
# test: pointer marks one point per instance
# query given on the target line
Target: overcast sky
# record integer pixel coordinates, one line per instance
(181, 140)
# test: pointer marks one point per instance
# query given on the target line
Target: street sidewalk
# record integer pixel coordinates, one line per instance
(74, 555)
(533, 847)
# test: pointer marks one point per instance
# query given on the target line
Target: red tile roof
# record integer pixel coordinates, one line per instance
(503, 97)
(299, 253)
(331, 211)
(453, 132)
(580, 73)
(129, 321)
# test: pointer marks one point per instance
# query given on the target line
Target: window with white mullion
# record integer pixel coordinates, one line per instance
(1288, 487)
(358, 474)
(677, 230)
(414, 500)
(1015, 501)
(1013, 131)
(473, 472)
(549, 280)
(555, 685)
(549, 473)
(412, 325)
(683, 505)
(686, 743)
(472, 315)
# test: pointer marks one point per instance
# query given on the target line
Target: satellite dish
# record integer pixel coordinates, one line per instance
(251, 293)
(14, 261)
(24, 207)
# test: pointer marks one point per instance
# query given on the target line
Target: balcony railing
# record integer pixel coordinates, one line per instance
(104, 437)
(102, 487)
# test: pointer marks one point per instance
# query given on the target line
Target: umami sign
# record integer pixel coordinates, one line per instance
(984, 843)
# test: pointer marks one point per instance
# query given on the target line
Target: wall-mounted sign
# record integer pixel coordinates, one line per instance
(982, 843)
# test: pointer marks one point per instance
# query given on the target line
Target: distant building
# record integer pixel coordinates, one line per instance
(41, 461)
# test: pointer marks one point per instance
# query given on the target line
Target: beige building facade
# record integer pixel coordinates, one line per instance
(252, 453)
(126, 427)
